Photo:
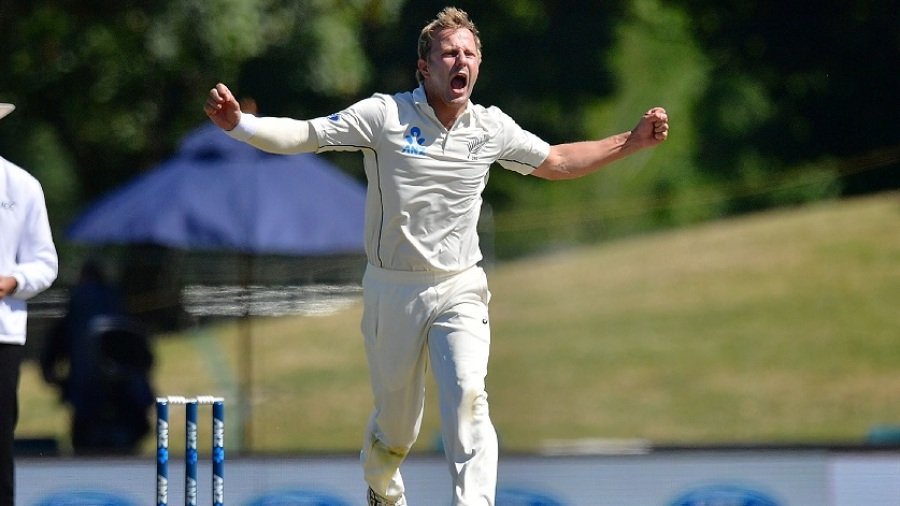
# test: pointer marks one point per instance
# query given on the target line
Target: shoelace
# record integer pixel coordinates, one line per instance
(377, 500)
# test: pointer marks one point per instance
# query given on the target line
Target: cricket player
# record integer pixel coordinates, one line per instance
(427, 153)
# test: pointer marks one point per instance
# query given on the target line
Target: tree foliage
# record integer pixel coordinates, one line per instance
(112, 86)
(106, 89)
(797, 82)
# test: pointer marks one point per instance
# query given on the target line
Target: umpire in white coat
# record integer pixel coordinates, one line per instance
(28, 266)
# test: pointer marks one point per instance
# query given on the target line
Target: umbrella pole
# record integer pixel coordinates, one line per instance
(246, 359)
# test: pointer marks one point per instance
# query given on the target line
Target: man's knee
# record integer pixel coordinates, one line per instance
(474, 405)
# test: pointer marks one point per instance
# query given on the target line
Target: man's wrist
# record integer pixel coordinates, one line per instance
(245, 128)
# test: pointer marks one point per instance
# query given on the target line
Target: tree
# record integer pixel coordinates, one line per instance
(106, 89)
(800, 83)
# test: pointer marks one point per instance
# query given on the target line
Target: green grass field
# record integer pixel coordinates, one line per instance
(778, 327)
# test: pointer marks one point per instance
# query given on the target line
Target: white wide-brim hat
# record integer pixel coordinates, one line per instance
(6, 109)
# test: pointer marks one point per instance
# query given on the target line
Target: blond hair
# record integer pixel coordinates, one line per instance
(449, 18)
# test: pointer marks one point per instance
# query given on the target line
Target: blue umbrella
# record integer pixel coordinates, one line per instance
(217, 193)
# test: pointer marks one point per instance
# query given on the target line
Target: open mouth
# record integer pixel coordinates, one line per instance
(459, 82)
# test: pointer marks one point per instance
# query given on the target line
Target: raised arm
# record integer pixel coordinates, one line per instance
(275, 135)
(577, 159)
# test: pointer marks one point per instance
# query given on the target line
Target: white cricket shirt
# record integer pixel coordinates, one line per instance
(425, 181)
(27, 251)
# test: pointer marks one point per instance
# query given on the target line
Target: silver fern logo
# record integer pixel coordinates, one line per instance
(475, 145)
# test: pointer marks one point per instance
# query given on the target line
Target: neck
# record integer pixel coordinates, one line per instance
(446, 113)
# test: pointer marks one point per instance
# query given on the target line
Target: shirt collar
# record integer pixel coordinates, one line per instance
(421, 101)
(419, 96)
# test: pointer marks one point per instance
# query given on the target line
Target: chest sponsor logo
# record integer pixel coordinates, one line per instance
(414, 142)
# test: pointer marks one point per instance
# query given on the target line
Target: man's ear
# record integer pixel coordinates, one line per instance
(423, 67)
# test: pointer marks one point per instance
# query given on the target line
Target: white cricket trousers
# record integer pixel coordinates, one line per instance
(411, 319)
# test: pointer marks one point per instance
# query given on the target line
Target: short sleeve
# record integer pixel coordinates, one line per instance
(354, 128)
(522, 150)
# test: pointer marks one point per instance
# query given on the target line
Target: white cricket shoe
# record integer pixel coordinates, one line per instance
(376, 500)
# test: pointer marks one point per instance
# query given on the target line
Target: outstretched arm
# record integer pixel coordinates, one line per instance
(577, 159)
(275, 135)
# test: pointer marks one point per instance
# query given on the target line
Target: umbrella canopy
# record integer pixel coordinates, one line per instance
(217, 193)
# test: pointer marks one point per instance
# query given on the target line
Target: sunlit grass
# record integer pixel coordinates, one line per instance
(775, 327)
